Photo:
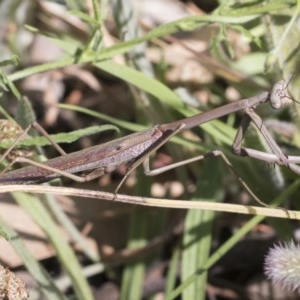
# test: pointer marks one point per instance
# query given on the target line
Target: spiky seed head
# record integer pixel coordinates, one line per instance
(282, 265)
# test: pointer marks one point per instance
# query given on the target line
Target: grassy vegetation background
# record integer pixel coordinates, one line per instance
(74, 64)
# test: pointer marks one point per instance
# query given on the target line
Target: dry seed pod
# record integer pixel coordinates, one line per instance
(11, 287)
(9, 131)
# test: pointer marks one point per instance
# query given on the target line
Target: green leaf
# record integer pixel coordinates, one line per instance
(68, 137)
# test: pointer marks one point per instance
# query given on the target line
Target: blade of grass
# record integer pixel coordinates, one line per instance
(231, 242)
(76, 236)
(198, 229)
(172, 271)
(37, 211)
(46, 283)
(134, 273)
(166, 203)
(68, 137)
(185, 24)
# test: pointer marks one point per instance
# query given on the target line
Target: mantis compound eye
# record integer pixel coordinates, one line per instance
(279, 96)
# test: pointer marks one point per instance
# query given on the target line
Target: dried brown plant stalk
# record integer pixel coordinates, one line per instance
(11, 287)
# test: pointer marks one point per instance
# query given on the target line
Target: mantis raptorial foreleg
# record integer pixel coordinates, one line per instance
(277, 157)
(146, 155)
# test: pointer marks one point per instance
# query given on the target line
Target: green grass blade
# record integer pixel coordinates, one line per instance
(185, 24)
(134, 273)
(233, 240)
(75, 235)
(172, 271)
(142, 81)
(68, 137)
(46, 283)
(198, 229)
(37, 211)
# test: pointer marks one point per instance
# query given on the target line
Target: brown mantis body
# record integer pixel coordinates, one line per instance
(136, 148)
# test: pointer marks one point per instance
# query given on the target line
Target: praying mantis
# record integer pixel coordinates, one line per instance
(135, 149)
